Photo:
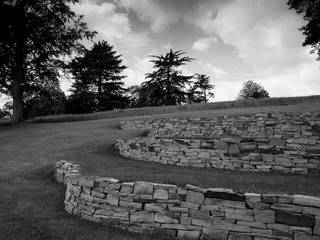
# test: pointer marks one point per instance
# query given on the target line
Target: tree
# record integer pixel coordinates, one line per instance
(166, 84)
(311, 14)
(35, 38)
(133, 94)
(251, 89)
(47, 100)
(98, 72)
(200, 90)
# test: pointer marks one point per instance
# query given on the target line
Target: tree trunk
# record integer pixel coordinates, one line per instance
(19, 71)
(17, 96)
(99, 86)
(205, 96)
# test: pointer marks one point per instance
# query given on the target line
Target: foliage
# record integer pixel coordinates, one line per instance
(98, 73)
(200, 92)
(35, 38)
(251, 89)
(49, 100)
(166, 84)
(133, 94)
(6, 111)
(81, 103)
(310, 9)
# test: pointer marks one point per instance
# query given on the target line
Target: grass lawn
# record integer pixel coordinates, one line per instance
(31, 202)
(212, 106)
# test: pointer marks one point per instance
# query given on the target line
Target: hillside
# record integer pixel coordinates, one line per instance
(28, 152)
(308, 101)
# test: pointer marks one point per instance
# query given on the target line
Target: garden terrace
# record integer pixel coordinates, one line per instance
(189, 212)
(285, 142)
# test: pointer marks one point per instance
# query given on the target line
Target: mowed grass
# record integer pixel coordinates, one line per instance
(145, 111)
(31, 202)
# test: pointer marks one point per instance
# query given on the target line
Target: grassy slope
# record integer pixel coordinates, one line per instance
(31, 202)
(281, 101)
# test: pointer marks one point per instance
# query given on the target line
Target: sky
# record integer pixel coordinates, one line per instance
(232, 41)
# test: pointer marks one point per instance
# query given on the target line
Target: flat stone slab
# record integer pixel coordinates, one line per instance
(306, 200)
(294, 219)
(226, 194)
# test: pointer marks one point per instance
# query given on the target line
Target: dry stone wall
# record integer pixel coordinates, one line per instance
(285, 142)
(190, 212)
(65, 171)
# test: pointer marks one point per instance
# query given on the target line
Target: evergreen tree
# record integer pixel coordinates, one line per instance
(35, 37)
(251, 89)
(99, 73)
(166, 84)
(200, 90)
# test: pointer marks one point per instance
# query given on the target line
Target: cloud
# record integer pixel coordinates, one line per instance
(203, 44)
(302, 81)
(216, 72)
(133, 43)
(103, 18)
(111, 25)
(266, 38)
(265, 35)
(136, 72)
(167, 46)
(162, 13)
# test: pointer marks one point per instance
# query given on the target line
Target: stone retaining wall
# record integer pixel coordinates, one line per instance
(65, 171)
(191, 212)
(286, 142)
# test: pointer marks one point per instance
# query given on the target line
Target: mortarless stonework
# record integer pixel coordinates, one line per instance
(189, 212)
(285, 142)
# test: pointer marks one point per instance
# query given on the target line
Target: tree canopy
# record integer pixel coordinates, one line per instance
(251, 89)
(200, 91)
(310, 9)
(98, 75)
(35, 38)
(166, 85)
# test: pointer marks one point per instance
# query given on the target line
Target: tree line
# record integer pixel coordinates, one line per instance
(41, 41)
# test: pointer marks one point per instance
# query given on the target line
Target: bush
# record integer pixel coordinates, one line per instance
(252, 90)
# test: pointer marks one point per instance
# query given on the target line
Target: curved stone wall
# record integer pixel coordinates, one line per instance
(65, 171)
(286, 142)
(190, 212)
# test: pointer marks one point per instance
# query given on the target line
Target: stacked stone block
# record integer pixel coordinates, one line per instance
(65, 171)
(192, 212)
(285, 142)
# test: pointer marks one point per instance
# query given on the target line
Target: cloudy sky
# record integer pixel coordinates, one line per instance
(232, 41)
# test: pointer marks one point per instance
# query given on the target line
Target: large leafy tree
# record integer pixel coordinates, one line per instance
(35, 38)
(47, 100)
(310, 9)
(200, 91)
(98, 75)
(133, 93)
(251, 89)
(166, 85)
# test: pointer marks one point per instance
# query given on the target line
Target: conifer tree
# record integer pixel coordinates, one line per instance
(200, 91)
(166, 85)
(98, 73)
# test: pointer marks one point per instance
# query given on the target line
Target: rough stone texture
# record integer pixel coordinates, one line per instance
(285, 142)
(294, 219)
(66, 171)
(190, 212)
(306, 200)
